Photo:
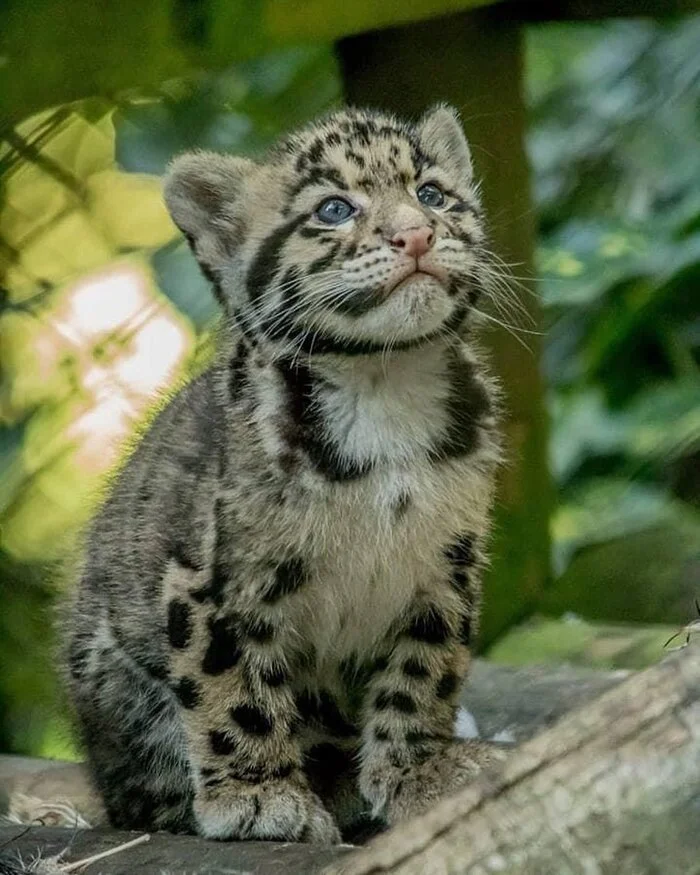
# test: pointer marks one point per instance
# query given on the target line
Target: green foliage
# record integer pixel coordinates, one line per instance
(572, 640)
(241, 110)
(82, 206)
(614, 128)
(617, 178)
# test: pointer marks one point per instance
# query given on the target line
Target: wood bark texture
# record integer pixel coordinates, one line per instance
(474, 62)
(612, 789)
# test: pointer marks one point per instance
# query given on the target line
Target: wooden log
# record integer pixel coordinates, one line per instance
(612, 789)
(162, 854)
(517, 701)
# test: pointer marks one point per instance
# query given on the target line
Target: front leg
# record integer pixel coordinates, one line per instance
(409, 754)
(229, 671)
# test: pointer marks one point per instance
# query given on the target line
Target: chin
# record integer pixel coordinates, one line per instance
(416, 308)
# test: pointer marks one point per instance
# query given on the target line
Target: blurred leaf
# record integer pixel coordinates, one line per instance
(649, 576)
(583, 426)
(129, 209)
(12, 471)
(613, 118)
(577, 642)
(604, 510)
(180, 278)
(664, 422)
(51, 256)
(75, 142)
(42, 522)
(36, 362)
(242, 110)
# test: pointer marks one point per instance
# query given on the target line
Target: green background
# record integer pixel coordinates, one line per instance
(612, 133)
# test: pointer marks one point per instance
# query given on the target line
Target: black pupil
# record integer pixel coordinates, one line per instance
(334, 210)
(430, 195)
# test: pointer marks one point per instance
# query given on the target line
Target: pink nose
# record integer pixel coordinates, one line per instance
(414, 241)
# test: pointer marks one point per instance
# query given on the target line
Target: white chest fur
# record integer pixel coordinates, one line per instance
(376, 542)
(386, 411)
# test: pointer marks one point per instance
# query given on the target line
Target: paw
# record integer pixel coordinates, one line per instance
(271, 811)
(400, 793)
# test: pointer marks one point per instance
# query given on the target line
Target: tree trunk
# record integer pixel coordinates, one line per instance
(473, 61)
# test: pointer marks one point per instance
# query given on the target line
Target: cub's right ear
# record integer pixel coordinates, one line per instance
(201, 189)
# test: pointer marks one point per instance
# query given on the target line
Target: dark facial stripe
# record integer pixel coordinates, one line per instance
(317, 176)
(311, 342)
(462, 207)
(465, 236)
(236, 371)
(267, 259)
(312, 232)
(213, 280)
(325, 260)
(291, 293)
(318, 343)
(179, 624)
(358, 302)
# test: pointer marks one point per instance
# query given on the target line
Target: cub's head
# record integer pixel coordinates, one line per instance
(358, 233)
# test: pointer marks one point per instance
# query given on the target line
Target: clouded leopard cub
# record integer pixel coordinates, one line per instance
(278, 598)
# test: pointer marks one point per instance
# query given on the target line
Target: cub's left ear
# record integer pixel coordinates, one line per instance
(442, 133)
(202, 191)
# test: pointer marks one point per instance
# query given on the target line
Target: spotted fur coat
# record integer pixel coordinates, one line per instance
(277, 601)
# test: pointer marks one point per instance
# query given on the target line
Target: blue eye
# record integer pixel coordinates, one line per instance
(335, 211)
(430, 195)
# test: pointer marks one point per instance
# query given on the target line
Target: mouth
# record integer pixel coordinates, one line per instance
(417, 273)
